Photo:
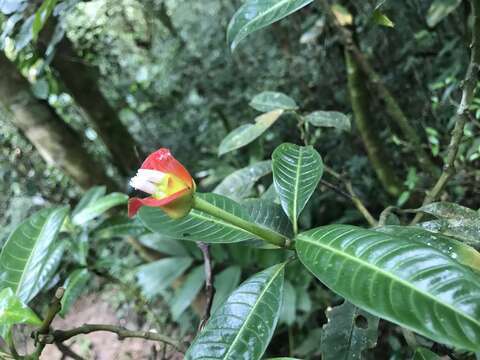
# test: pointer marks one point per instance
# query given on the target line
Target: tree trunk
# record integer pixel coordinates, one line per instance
(81, 81)
(56, 142)
(359, 98)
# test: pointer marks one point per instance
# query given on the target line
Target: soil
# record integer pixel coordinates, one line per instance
(96, 309)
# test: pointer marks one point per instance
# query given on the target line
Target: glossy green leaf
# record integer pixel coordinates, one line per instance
(89, 198)
(14, 311)
(457, 250)
(271, 100)
(186, 293)
(155, 277)
(98, 207)
(403, 281)
(333, 119)
(439, 9)
(225, 282)
(239, 184)
(243, 326)
(197, 225)
(289, 304)
(254, 15)
(348, 333)
(425, 354)
(51, 265)
(282, 358)
(247, 133)
(119, 226)
(268, 214)
(296, 173)
(25, 258)
(74, 286)
(163, 245)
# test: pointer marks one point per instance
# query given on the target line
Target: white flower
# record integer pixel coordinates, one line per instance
(147, 180)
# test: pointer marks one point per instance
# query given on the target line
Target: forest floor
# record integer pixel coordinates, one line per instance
(97, 309)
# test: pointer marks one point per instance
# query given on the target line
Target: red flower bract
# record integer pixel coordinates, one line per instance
(169, 183)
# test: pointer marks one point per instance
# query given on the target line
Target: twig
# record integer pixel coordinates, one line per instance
(469, 85)
(53, 310)
(209, 288)
(352, 196)
(391, 105)
(336, 189)
(66, 351)
(62, 335)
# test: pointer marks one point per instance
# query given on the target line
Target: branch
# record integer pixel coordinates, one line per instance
(391, 105)
(67, 352)
(62, 335)
(53, 310)
(352, 196)
(462, 115)
(209, 288)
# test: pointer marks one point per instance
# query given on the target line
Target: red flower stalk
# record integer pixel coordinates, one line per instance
(170, 185)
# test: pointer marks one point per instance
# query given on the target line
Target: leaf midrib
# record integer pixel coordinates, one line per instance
(267, 286)
(389, 275)
(297, 187)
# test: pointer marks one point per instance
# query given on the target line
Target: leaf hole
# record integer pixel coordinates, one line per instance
(186, 234)
(361, 322)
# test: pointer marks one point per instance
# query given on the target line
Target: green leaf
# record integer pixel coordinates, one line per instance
(163, 244)
(333, 119)
(271, 100)
(403, 281)
(349, 331)
(446, 210)
(52, 262)
(247, 133)
(98, 207)
(454, 220)
(457, 250)
(254, 15)
(119, 226)
(224, 283)
(439, 9)
(25, 257)
(269, 215)
(89, 198)
(296, 173)
(189, 290)
(243, 326)
(155, 277)
(74, 286)
(42, 15)
(197, 225)
(289, 304)
(425, 354)
(239, 184)
(381, 19)
(14, 311)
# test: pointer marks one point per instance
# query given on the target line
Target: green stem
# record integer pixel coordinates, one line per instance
(266, 234)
